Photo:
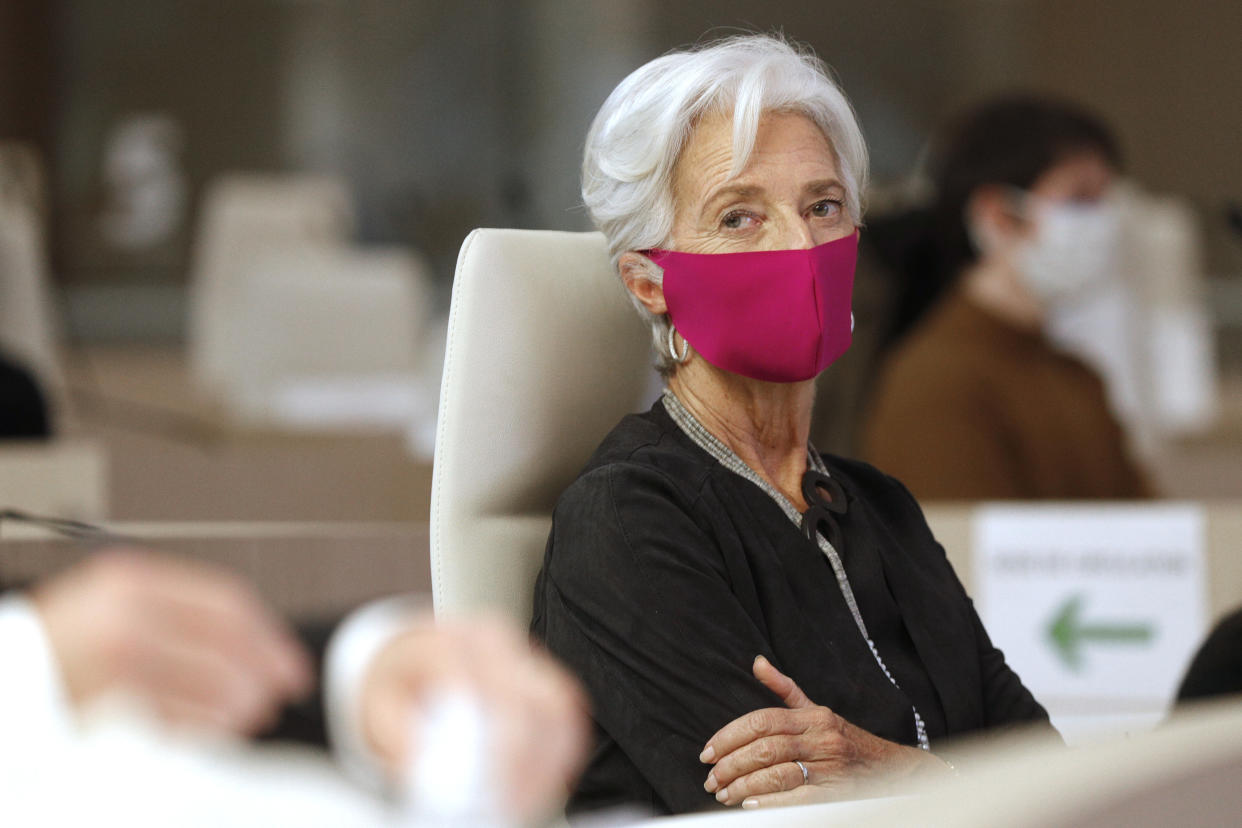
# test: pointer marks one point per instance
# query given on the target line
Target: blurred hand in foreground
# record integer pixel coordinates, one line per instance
(537, 713)
(192, 640)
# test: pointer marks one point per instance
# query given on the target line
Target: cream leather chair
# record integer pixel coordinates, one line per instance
(544, 355)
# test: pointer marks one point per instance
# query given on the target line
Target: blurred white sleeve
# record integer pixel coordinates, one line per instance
(33, 702)
(350, 652)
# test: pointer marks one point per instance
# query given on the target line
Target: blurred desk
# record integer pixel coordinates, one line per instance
(306, 570)
(67, 478)
(173, 454)
(263, 476)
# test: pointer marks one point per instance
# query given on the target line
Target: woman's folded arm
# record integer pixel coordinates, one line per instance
(636, 599)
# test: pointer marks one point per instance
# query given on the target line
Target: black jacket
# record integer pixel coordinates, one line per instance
(666, 574)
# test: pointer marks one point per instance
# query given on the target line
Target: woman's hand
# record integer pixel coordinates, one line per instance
(755, 756)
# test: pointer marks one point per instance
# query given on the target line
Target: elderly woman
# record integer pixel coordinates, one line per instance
(750, 617)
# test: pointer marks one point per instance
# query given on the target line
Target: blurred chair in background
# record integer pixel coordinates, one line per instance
(27, 329)
(292, 327)
(329, 336)
(62, 478)
(242, 216)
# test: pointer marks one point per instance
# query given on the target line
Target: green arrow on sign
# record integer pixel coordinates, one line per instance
(1068, 633)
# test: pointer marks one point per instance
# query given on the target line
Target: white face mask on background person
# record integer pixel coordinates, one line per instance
(1074, 247)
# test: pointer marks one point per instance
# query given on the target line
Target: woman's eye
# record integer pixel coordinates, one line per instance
(827, 208)
(737, 220)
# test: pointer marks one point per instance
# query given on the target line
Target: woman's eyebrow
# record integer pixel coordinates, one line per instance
(725, 192)
(730, 191)
(823, 186)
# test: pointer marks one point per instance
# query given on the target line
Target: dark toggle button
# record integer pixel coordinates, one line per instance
(815, 484)
(825, 499)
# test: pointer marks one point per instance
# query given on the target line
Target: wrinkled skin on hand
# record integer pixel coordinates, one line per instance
(753, 757)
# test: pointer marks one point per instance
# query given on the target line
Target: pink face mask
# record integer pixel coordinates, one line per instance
(773, 315)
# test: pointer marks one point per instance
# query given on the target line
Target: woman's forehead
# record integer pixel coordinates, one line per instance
(789, 148)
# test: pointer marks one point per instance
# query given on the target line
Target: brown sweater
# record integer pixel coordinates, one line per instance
(970, 407)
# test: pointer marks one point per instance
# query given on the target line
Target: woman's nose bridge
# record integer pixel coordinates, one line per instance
(796, 232)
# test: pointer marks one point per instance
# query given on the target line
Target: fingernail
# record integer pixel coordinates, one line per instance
(708, 754)
(750, 803)
(710, 785)
(760, 659)
(722, 795)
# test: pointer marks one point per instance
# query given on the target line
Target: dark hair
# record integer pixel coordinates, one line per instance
(1013, 139)
(1008, 140)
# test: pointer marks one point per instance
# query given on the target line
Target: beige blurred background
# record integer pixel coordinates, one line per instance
(432, 119)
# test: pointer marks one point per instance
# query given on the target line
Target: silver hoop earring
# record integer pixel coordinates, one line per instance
(672, 347)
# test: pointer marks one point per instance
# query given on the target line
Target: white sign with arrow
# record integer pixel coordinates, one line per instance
(1098, 607)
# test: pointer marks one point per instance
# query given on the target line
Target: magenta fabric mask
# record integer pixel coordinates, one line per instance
(773, 315)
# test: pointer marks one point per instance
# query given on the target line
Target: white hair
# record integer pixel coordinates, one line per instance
(639, 133)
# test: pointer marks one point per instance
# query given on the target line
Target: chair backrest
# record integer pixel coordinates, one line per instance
(544, 355)
(324, 313)
(242, 217)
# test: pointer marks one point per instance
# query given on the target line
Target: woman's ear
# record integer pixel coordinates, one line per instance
(636, 272)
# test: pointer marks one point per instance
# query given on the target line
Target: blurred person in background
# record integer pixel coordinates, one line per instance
(976, 402)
